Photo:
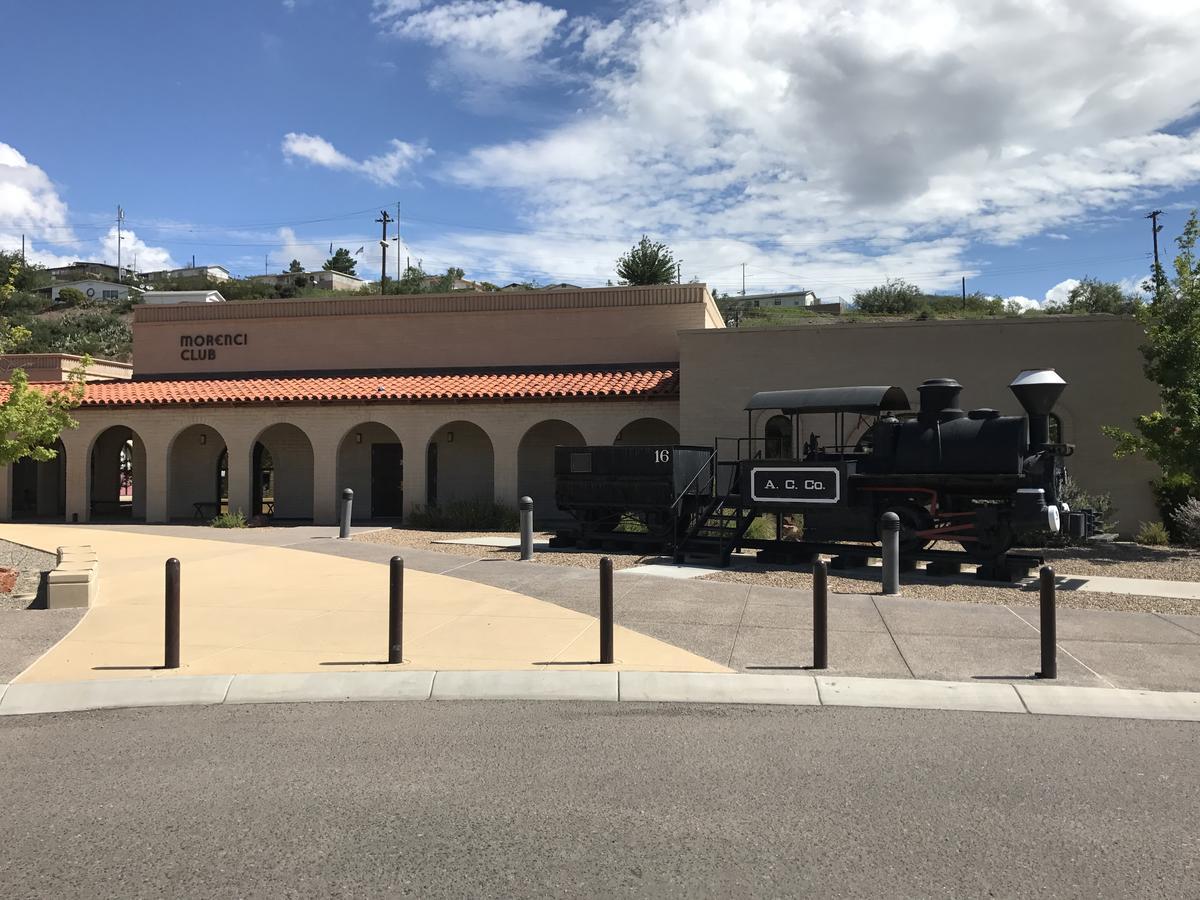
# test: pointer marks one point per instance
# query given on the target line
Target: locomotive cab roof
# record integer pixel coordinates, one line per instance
(859, 399)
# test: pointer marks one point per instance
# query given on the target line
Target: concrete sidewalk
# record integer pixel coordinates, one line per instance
(762, 629)
(250, 608)
(765, 629)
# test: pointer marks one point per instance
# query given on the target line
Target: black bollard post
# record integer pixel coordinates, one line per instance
(889, 532)
(396, 612)
(606, 610)
(1049, 625)
(171, 651)
(526, 517)
(347, 507)
(820, 615)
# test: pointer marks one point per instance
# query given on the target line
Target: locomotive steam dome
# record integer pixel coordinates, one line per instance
(939, 400)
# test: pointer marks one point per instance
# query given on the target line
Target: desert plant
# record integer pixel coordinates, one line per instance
(465, 515)
(762, 528)
(1171, 492)
(229, 520)
(1186, 520)
(1153, 534)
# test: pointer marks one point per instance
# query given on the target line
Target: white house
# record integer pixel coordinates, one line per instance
(93, 289)
(209, 273)
(162, 298)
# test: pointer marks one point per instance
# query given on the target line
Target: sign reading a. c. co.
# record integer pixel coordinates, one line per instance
(196, 347)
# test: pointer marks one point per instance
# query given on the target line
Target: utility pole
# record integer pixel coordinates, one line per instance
(120, 222)
(1155, 228)
(743, 279)
(399, 271)
(679, 272)
(383, 220)
(964, 292)
(22, 251)
(266, 264)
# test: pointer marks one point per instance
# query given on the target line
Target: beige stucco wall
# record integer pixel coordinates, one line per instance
(163, 488)
(1098, 356)
(569, 328)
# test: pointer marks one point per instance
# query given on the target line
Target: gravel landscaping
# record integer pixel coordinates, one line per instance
(31, 564)
(424, 540)
(1123, 559)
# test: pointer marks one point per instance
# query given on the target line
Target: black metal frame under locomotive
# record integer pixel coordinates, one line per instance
(976, 478)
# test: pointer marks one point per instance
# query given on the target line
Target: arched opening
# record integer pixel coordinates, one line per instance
(535, 465)
(778, 438)
(643, 432)
(197, 475)
(117, 475)
(281, 486)
(460, 465)
(370, 462)
(39, 489)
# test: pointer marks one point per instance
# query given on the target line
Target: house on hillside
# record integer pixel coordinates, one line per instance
(92, 288)
(323, 279)
(88, 271)
(188, 273)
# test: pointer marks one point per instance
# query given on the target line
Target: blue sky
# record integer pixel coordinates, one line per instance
(826, 145)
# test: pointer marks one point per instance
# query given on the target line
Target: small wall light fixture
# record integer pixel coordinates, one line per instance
(449, 437)
(203, 438)
(358, 437)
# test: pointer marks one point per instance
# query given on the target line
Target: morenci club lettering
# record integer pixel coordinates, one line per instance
(203, 346)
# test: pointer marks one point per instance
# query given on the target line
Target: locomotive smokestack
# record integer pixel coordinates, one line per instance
(1037, 390)
(939, 400)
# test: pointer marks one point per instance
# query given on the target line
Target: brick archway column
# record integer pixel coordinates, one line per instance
(155, 468)
(75, 453)
(416, 445)
(238, 446)
(326, 491)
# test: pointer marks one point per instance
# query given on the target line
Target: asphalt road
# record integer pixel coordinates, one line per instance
(479, 799)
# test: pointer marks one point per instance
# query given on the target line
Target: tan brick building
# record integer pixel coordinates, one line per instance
(272, 407)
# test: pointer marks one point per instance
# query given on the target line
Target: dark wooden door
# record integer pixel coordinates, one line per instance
(387, 481)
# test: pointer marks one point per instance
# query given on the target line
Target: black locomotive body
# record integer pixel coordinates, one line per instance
(974, 477)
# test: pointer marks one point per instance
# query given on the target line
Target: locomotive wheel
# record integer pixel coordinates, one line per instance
(993, 541)
(912, 520)
(602, 521)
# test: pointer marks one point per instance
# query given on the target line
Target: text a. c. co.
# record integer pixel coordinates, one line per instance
(197, 347)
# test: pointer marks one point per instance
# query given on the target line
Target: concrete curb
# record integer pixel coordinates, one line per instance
(626, 687)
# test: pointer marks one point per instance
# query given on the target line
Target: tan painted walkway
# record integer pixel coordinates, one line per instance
(251, 609)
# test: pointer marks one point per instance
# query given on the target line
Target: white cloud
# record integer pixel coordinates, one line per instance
(385, 168)
(511, 30)
(1057, 295)
(486, 47)
(30, 206)
(135, 252)
(837, 141)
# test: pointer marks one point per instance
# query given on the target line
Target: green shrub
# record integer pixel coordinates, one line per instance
(1186, 522)
(1078, 499)
(465, 515)
(229, 520)
(762, 528)
(1153, 534)
(1170, 493)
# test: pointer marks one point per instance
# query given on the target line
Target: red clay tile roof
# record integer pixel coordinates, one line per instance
(652, 382)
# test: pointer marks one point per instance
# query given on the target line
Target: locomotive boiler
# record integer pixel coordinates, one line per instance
(975, 477)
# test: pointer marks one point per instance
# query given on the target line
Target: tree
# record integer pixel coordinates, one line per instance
(895, 297)
(72, 297)
(647, 262)
(1092, 295)
(30, 419)
(1170, 435)
(341, 261)
(296, 266)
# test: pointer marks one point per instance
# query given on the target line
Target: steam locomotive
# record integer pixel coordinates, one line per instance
(976, 478)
